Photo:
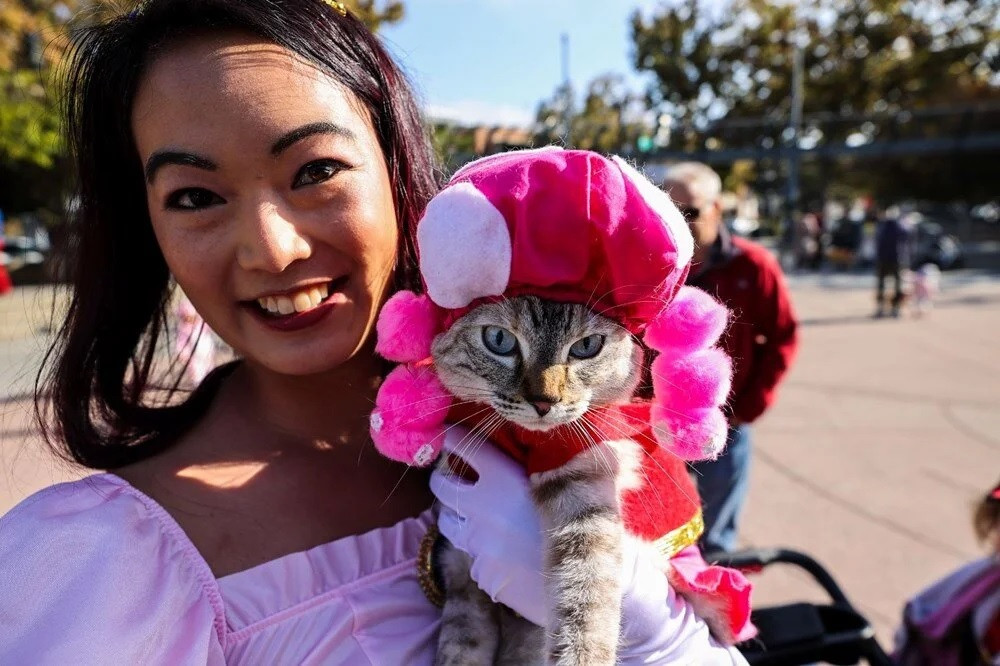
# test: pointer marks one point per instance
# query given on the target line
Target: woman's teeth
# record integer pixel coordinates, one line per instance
(297, 302)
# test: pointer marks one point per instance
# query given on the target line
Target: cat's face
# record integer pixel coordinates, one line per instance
(538, 364)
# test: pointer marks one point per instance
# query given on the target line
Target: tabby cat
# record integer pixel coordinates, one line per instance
(539, 365)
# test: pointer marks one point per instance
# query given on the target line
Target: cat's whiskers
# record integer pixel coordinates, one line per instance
(437, 410)
(606, 419)
(641, 470)
(656, 490)
(609, 292)
(460, 422)
(406, 469)
(589, 429)
(476, 435)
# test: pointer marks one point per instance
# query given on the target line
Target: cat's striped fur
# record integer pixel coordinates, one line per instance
(540, 385)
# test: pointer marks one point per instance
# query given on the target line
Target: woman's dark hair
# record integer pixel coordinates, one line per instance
(92, 396)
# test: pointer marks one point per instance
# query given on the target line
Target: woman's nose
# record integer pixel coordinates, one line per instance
(269, 241)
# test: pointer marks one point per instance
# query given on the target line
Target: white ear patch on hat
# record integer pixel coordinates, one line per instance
(660, 202)
(464, 247)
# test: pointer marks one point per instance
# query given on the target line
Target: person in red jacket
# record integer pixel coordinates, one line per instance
(762, 338)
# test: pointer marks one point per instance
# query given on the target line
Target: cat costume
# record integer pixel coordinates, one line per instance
(575, 227)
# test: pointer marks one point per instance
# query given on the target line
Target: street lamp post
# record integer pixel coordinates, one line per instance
(792, 152)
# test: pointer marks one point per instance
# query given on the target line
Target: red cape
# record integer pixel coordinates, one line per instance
(665, 501)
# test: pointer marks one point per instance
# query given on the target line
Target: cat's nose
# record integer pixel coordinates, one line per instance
(543, 407)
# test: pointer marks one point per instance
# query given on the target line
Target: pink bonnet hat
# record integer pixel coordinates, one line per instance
(570, 226)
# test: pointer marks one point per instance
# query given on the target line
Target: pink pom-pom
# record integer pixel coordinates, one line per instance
(697, 434)
(407, 423)
(693, 320)
(406, 327)
(689, 381)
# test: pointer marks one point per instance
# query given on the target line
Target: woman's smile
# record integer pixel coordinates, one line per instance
(282, 205)
(300, 307)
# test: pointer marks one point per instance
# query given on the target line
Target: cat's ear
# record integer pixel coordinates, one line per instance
(660, 202)
(407, 423)
(406, 327)
(464, 247)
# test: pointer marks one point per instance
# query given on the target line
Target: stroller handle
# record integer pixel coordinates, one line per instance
(759, 558)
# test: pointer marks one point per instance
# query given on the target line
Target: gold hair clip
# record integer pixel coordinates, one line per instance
(337, 6)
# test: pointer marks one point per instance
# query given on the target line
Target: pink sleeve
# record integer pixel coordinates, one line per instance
(90, 572)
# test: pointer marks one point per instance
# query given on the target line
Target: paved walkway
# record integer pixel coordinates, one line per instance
(884, 435)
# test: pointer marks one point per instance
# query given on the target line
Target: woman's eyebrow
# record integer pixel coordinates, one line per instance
(162, 158)
(308, 130)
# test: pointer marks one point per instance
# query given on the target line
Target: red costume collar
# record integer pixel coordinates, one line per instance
(544, 451)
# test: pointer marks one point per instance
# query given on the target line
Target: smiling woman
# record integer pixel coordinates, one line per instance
(265, 162)
(283, 196)
(267, 158)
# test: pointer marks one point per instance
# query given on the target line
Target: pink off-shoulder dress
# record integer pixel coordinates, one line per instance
(95, 572)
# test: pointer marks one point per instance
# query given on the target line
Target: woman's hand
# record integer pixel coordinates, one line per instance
(494, 520)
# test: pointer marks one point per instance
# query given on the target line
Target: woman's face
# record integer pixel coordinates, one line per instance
(269, 197)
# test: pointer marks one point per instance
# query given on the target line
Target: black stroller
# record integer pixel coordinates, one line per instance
(804, 633)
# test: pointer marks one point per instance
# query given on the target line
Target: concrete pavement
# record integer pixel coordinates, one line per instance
(883, 437)
(885, 434)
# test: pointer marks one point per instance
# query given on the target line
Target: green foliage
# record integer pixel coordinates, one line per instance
(374, 15)
(29, 121)
(610, 120)
(873, 70)
(454, 145)
(859, 55)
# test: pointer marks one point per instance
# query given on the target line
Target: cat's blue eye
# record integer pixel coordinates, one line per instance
(587, 347)
(499, 340)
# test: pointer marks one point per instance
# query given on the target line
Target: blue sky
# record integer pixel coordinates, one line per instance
(492, 61)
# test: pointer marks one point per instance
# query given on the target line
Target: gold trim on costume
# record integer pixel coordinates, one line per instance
(668, 545)
(680, 538)
(425, 568)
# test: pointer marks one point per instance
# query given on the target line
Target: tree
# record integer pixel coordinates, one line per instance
(859, 55)
(455, 145)
(374, 15)
(33, 42)
(610, 120)
(869, 67)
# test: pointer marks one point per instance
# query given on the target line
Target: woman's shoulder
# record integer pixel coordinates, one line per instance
(90, 509)
(101, 517)
(100, 564)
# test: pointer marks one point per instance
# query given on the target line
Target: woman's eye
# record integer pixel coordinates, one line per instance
(193, 198)
(317, 172)
(500, 341)
(587, 347)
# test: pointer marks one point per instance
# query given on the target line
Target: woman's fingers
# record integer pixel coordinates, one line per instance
(452, 526)
(481, 465)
